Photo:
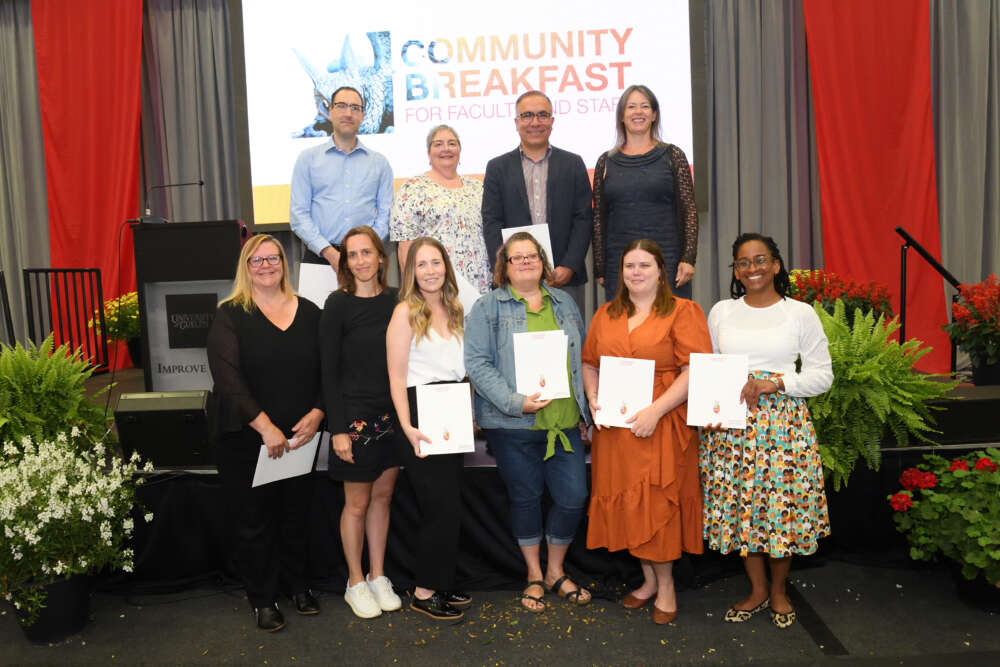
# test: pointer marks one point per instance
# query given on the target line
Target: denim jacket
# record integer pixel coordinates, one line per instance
(489, 355)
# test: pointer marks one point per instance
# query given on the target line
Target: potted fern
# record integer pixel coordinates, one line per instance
(42, 394)
(875, 393)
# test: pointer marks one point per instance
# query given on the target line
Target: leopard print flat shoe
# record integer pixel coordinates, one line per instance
(783, 620)
(734, 615)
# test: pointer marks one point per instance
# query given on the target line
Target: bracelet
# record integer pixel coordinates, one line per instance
(775, 382)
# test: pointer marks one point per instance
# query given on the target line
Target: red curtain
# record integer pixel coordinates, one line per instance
(871, 81)
(89, 57)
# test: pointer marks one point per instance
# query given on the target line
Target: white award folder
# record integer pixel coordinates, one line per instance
(540, 364)
(714, 387)
(292, 463)
(624, 387)
(444, 414)
(316, 281)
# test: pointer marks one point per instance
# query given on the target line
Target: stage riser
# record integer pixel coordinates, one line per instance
(973, 416)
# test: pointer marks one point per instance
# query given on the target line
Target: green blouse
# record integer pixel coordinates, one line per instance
(561, 413)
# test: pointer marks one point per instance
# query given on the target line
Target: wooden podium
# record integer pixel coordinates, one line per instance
(182, 270)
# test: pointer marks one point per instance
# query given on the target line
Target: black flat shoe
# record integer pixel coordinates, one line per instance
(306, 603)
(269, 619)
(456, 598)
(436, 607)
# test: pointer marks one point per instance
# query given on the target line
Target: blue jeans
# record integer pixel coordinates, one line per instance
(519, 455)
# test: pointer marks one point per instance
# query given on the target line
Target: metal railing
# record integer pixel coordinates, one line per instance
(62, 301)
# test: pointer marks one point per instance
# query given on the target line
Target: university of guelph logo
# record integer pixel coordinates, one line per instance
(189, 317)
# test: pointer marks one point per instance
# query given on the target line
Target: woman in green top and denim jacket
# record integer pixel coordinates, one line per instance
(536, 443)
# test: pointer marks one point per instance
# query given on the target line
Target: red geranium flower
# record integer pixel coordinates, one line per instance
(958, 464)
(914, 478)
(901, 502)
(986, 464)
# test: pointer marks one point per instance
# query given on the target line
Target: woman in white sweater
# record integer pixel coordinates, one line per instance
(763, 486)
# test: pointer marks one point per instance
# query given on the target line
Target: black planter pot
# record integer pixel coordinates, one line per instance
(977, 592)
(135, 351)
(987, 374)
(65, 613)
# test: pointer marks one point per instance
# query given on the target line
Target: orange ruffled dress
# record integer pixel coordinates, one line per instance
(645, 495)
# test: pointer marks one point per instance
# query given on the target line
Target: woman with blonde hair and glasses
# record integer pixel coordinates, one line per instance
(360, 416)
(536, 443)
(263, 351)
(424, 346)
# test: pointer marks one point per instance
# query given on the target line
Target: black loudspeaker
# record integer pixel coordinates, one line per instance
(169, 428)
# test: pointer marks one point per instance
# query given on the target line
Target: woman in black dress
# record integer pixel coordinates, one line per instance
(360, 415)
(643, 189)
(263, 350)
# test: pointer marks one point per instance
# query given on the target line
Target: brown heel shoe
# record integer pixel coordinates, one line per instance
(634, 602)
(661, 617)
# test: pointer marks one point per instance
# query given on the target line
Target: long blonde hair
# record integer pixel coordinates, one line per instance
(242, 294)
(409, 292)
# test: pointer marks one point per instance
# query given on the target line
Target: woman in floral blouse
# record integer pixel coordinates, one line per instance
(445, 206)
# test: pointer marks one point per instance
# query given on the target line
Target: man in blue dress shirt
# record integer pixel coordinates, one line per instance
(339, 185)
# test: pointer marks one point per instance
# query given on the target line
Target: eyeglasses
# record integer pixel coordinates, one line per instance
(523, 259)
(273, 260)
(528, 116)
(759, 260)
(344, 106)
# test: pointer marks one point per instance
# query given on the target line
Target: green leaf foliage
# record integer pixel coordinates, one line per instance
(42, 394)
(876, 394)
(956, 513)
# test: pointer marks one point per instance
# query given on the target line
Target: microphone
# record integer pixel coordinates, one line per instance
(149, 218)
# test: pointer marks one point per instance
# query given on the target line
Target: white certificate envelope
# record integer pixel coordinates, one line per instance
(292, 463)
(714, 386)
(316, 281)
(444, 414)
(540, 232)
(624, 388)
(540, 364)
(467, 294)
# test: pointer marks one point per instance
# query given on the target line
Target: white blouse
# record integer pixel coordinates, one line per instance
(435, 359)
(773, 337)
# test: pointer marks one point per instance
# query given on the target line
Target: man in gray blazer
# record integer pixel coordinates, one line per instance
(537, 183)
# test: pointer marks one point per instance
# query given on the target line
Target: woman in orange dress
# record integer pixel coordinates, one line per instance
(645, 495)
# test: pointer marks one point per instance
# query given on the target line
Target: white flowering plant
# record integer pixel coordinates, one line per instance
(64, 510)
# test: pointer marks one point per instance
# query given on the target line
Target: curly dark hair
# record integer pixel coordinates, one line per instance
(781, 281)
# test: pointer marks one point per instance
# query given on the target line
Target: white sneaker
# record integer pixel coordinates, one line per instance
(381, 589)
(360, 599)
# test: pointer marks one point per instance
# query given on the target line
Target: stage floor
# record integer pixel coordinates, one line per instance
(849, 615)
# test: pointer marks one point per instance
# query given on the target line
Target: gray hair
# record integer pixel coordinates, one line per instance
(441, 128)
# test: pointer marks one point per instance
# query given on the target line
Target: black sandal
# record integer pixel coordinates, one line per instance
(573, 596)
(540, 601)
